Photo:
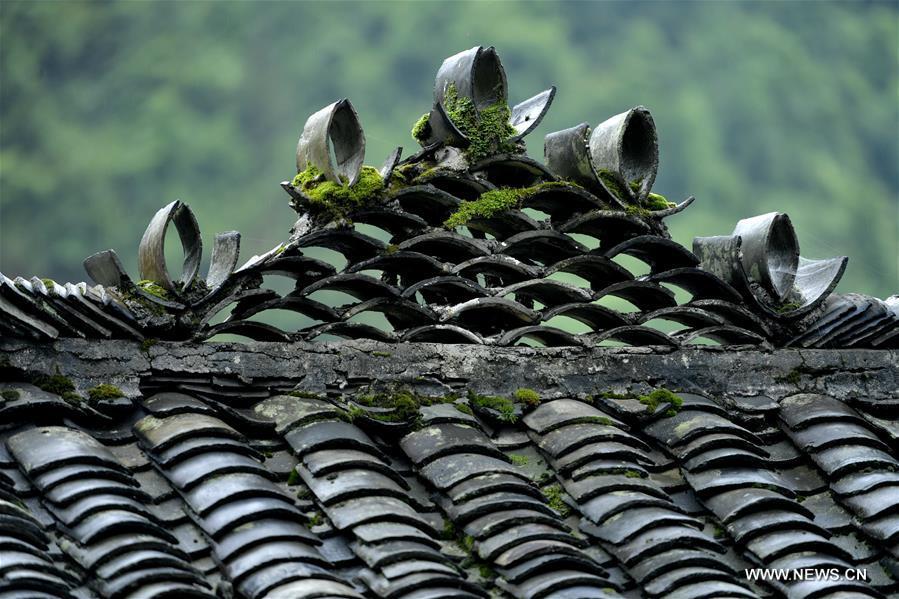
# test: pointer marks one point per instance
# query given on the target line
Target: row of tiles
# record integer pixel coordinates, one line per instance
(475, 451)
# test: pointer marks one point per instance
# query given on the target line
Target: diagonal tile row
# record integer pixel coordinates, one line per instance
(506, 520)
(605, 470)
(732, 474)
(854, 320)
(41, 308)
(31, 563)
(860, 468)
(103, 517)
(257, 532)
(363, 495)
(798, 472)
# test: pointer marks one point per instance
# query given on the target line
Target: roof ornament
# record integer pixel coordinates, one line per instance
(761, 260)
(620, 156)
(333, 142)
(106, 268)
(476, 78)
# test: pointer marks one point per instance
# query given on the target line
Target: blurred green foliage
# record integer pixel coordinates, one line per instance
(110, 110)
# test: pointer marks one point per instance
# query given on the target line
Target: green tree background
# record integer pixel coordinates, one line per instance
(110, 110)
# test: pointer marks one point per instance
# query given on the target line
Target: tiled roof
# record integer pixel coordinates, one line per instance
(255, 495)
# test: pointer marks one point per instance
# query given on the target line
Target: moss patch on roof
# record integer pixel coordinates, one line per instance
(422, 128)
(104, 391)
(505, 408)
(528, 397)
(336, 200)
(554, 497)
(488, 130)
(58, 385)
(496, 201)
(657, 397)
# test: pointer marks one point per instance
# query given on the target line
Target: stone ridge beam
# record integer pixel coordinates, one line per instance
(440, 368)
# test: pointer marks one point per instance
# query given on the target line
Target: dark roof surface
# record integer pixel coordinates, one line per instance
(186, 495)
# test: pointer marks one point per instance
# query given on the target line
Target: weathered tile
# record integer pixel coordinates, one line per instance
(661, 538)
(190, 472)
(41, 449)
(262, 530)
(349, 484)
(159, 434)
(269, 553)
(623, 526)
(432, 442)
(229, 516)
(451, 470)
(289, 412)
(330, 435)
(553, 414)
(230, 487)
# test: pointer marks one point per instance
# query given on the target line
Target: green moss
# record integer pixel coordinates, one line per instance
(600, 420)
(488, 130)
(316, 519)
(490, 204)
(718, 532)
(293, 478)
(505, 407)
(10, 394)
(48, 283)
(633, 474)
(404, 405)
(553, 494)
(527, 396)
(391, 248)
(656, 201)
(610, 180)
(468, 542)
(518, 459)
(422, 128)
(337, 201)
(653, 400)
(58, 385)
(153, 288)
(464, 408)
(146, 344)
(486, 572)
(381, 354)
(430, 173)
(634, 210)
(449, 530)
(496, 201)
(355, 412)
(104, 391)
